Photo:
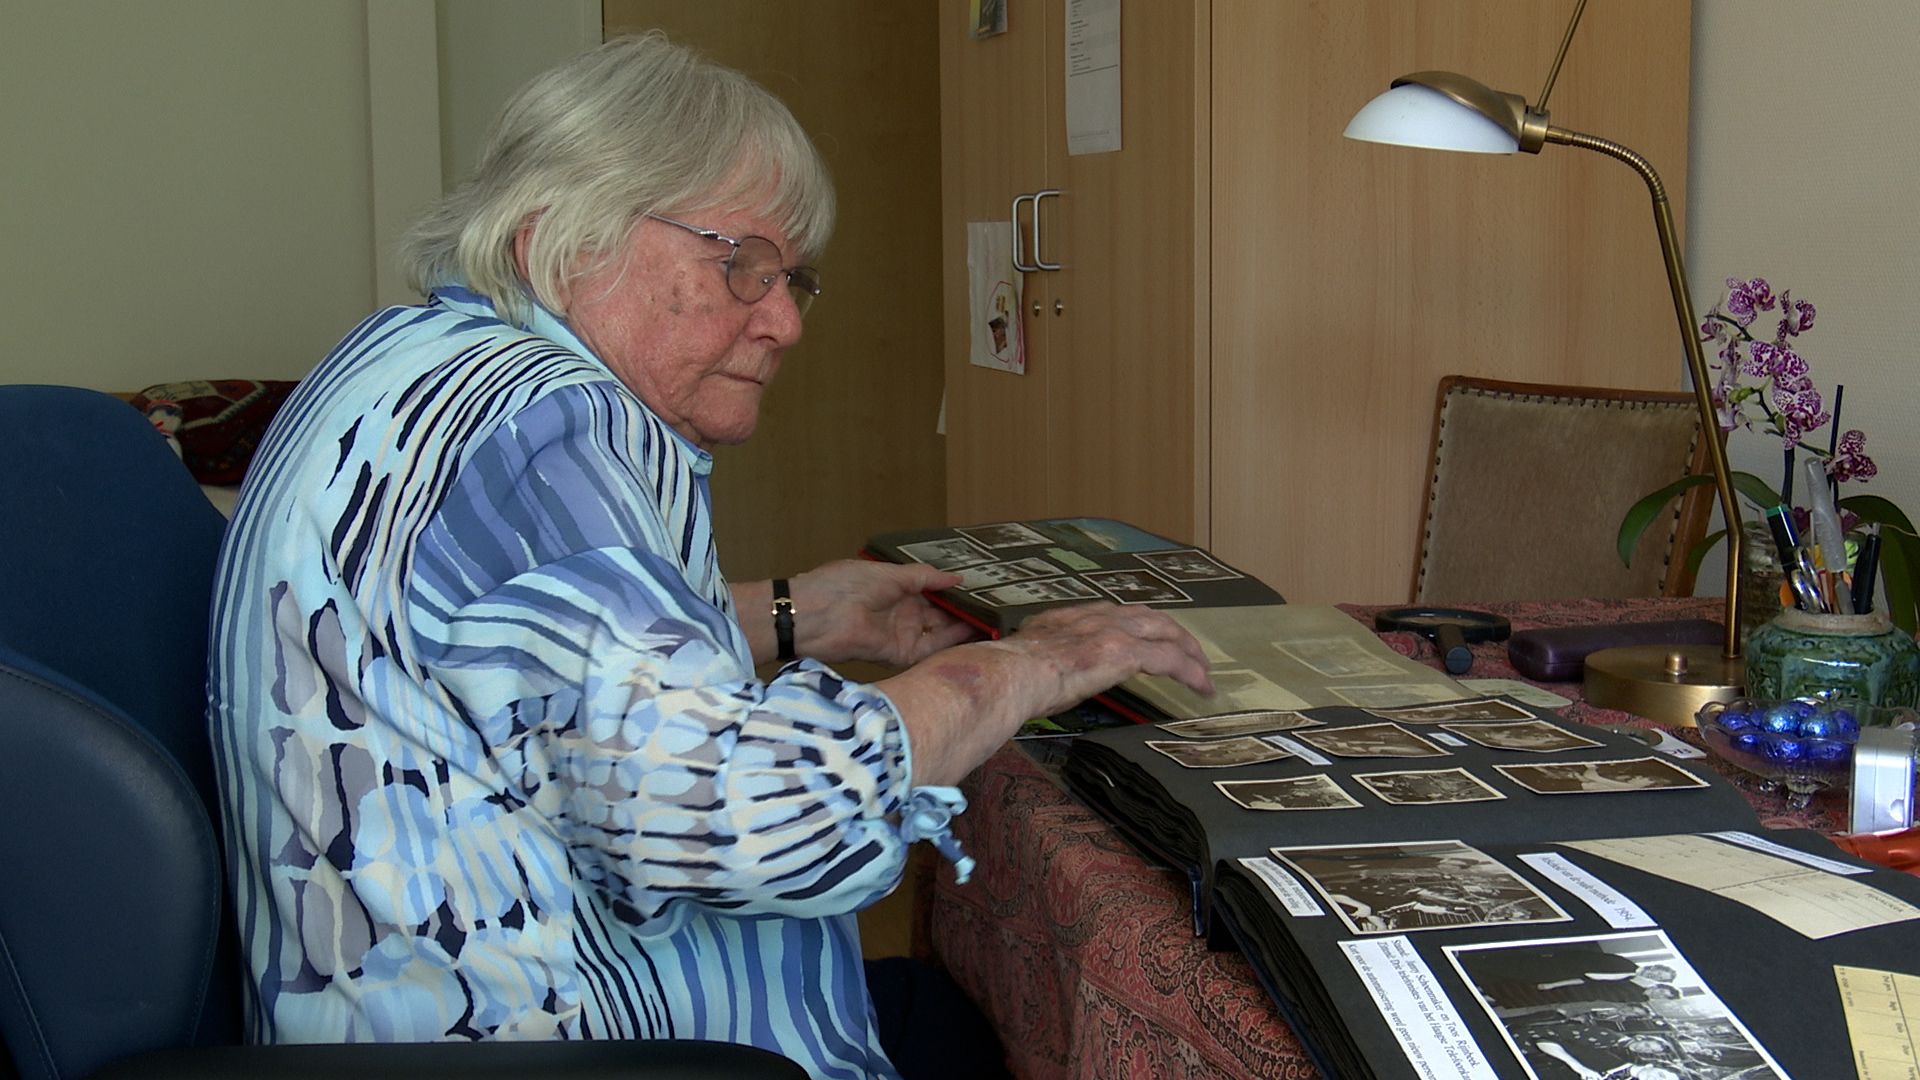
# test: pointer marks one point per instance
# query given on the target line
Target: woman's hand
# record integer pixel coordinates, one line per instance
(857, 609)
(961, 704)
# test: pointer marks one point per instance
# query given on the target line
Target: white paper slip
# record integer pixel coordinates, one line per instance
(1606, 901)
(1877, 1021)
(1292, 895)
(1812, 902)
(1443, 737)
(1524, 693)
(1762, 844)
(1093, 76)
(1422, 1018)
(1673, 747)
(1300, 750)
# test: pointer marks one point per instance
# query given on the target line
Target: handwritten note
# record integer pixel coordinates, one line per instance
(1812, 901)
(1878, 1005)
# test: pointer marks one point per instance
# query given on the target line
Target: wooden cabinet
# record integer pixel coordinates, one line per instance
(1110, 336)
(1255, 311)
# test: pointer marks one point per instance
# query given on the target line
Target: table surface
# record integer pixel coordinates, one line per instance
(1082, 953)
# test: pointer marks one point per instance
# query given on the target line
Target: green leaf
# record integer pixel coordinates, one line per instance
(1899, 554)
(1640, 516)
(1756, 490)
(1642, 513)
(1699, 553)
(1873, 508)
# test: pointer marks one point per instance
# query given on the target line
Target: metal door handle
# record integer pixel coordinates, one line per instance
(1039, 263)
(1014, 213)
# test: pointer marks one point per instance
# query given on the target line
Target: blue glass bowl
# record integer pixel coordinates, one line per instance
(1803, 744)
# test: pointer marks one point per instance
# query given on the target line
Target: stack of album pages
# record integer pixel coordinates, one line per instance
(1480, 890)
(1200, 792)
(1012, 569)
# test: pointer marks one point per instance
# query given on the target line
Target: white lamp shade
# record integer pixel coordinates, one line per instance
(1415, 115)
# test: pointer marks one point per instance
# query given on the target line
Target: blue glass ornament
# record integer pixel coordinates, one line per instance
(1736, 720)
(1784, 751)
(1820, 725)
(1845, 725)
(1828, 753)
(1801, 709)
(1781, 719)
(1748, 742)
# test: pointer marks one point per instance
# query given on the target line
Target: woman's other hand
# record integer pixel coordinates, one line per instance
(856, 609)
(961, 704)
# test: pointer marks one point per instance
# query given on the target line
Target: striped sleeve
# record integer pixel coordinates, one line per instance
(551, 602)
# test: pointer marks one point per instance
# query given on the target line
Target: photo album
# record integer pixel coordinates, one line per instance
(1480, 889)
(1010, 570)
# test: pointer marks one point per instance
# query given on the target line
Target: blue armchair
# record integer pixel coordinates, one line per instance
(118, 956)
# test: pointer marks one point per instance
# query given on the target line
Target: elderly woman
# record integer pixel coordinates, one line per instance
(495, 760)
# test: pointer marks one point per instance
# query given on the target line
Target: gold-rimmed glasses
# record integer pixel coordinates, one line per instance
(754, 266)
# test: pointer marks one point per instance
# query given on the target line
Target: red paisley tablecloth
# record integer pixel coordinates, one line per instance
(1083, 954)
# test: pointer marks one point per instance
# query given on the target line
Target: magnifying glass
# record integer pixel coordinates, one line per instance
(1450, 629)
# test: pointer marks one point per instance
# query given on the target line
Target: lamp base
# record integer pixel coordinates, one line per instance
(1664, 683)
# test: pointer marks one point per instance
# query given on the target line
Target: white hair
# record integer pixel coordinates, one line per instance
(636, 126)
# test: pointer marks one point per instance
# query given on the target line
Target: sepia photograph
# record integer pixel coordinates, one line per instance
(1337, 658)
(1138, 587)
(1189, 565)
(1533, 736)
(1050, 591)
(1582, 777)
(988, 575)
(1625, 1006)
(949, 554)
(1006, 535)
(1316, 792)
(1429, 885)
(1371, 740)
(1221, 753)
(1253, 722)
(1455, 712)
(1428, 787)
(1389, 695)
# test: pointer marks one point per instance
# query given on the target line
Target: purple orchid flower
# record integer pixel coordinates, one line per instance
(1849, 460)
(1746, 298)
(1796, 317)
(1798, 411)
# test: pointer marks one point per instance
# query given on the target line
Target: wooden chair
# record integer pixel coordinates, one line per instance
(1530, 482)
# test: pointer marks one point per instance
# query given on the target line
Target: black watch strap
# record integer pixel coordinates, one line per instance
(783, 619)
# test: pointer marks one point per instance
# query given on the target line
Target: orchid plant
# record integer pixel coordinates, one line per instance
(1765, 386)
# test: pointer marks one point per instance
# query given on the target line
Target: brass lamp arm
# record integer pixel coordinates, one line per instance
(1696, 362)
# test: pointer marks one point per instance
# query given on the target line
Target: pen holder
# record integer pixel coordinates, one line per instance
(1802, 653)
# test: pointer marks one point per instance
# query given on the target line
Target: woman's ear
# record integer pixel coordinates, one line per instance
(522, 258)
(522, 241)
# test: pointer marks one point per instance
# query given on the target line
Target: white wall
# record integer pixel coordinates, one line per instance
(183, 188)
(1805, 170)
(488, 49)
(203, 188)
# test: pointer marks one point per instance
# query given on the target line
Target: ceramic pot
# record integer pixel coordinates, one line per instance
(1804, 654)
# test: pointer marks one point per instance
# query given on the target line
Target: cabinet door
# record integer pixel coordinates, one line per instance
(1121, 389)
(993, 109)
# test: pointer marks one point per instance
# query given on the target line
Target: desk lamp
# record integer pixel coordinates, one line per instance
(1441, 110)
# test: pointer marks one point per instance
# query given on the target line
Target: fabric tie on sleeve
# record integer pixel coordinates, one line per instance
(929, 816)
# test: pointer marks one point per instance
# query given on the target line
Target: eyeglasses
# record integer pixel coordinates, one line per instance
(754, 266)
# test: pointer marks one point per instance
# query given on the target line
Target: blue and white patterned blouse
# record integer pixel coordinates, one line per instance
(495, 761)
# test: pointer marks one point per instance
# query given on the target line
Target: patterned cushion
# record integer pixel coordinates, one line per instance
(217, 422)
